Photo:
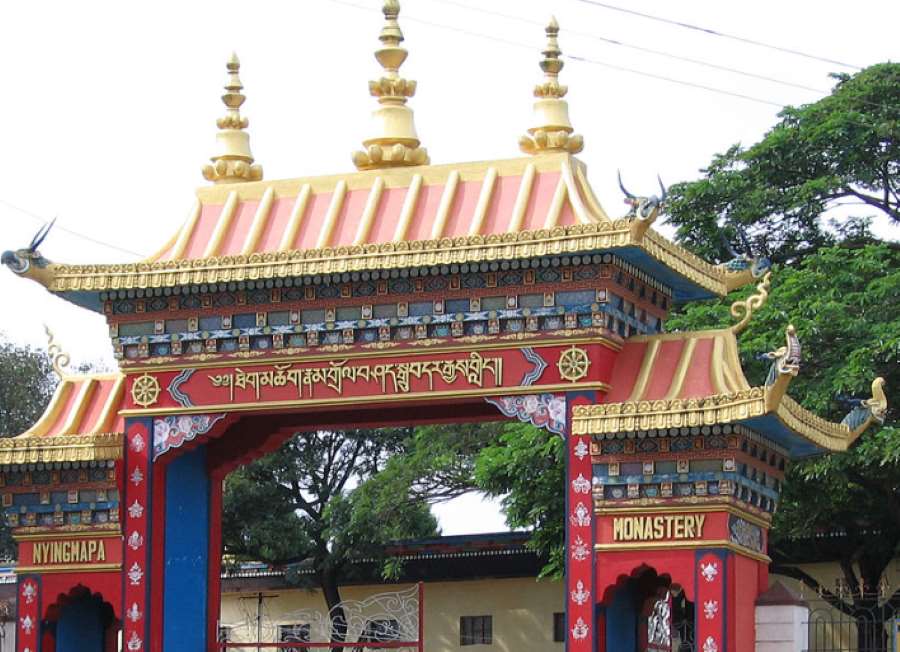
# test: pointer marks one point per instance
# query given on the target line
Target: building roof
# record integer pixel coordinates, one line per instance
(688, 380)
(390, 219)
(80, 424)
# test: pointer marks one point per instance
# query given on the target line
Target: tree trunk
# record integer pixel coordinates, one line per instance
(336, 612)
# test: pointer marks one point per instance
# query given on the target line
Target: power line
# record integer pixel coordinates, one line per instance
(572, 57)
(713, 32)
(76, 234)
(639, 48)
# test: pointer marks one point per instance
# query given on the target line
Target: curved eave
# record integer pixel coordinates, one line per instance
(81, 423)
(659, 377)
(688, 275)
(384, 220)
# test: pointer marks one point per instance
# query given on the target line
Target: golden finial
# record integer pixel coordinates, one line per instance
(552, 130)
(745, 308)
(395, 143)
(234, 161)
(58, 358)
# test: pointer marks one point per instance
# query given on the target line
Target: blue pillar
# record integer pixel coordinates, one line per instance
(621, 621)
(186, 553)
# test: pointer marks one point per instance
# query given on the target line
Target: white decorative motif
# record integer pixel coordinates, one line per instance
(709, 571)
(27, 624)
(135, 643)
(29, 592)
(136, 510)
(581, 449)
(138, 444)
(135, 541)
(581, 485)
(579, 595)
(580, 631)
(136, 476)
(396, 611)
(580, 550)
(582, 515)
(135, 574)
(709, 645)
(710, 609)
(133, 614)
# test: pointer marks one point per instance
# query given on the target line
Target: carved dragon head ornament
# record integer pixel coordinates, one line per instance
(28, 261)
(643, 210)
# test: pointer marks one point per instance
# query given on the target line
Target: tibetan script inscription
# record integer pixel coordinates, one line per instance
(393, 376)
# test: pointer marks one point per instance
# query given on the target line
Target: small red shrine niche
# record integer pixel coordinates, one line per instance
(413, 293)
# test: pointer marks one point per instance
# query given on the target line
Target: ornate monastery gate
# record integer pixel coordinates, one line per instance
(407, 293)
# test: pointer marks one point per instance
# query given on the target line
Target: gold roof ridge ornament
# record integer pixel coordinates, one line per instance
(744, 309)
(395, 143)
(58, 358)
(233, 163)
(552, 130)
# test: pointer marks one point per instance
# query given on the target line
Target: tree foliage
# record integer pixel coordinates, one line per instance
(841, 150)
(845, 304)
(26, 385)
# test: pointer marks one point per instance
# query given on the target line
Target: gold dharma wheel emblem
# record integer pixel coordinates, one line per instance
(145, 390)
(573, 364)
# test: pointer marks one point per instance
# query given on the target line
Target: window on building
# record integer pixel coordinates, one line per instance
(559, 628)
(224, 634)
(475, 630)
(296, 633)
(381, 630)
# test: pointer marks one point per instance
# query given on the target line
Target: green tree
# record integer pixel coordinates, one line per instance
(26, 385)
(845, 304)
(525, 467)
(841, 150)
(322, 502)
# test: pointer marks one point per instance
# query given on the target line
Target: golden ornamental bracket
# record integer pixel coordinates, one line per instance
(869, 411)
(744, 309)
(785, 366)
(58, 358)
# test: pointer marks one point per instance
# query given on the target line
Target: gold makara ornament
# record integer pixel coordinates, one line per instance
(573, 364)
(395, 142)
(233, 162)
(58, 358)
(145, 390)
(745, 308)
(552, 130)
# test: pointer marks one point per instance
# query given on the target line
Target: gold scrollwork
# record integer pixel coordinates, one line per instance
(744, 309)
(58, 358)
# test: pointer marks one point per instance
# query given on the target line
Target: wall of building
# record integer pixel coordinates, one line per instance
(521, 608)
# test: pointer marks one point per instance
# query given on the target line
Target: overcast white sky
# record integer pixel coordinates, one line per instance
(109, 108)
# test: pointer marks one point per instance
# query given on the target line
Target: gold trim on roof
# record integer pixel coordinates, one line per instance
(734, 402)
(61, 448)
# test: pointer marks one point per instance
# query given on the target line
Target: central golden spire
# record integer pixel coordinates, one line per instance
(395, 142)
(552, 130)
(234, 161)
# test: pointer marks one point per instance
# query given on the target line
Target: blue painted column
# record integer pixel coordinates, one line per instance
(186, 553)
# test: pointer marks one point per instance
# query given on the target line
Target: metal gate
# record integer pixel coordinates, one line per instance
(392, 620)
(861, 623)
